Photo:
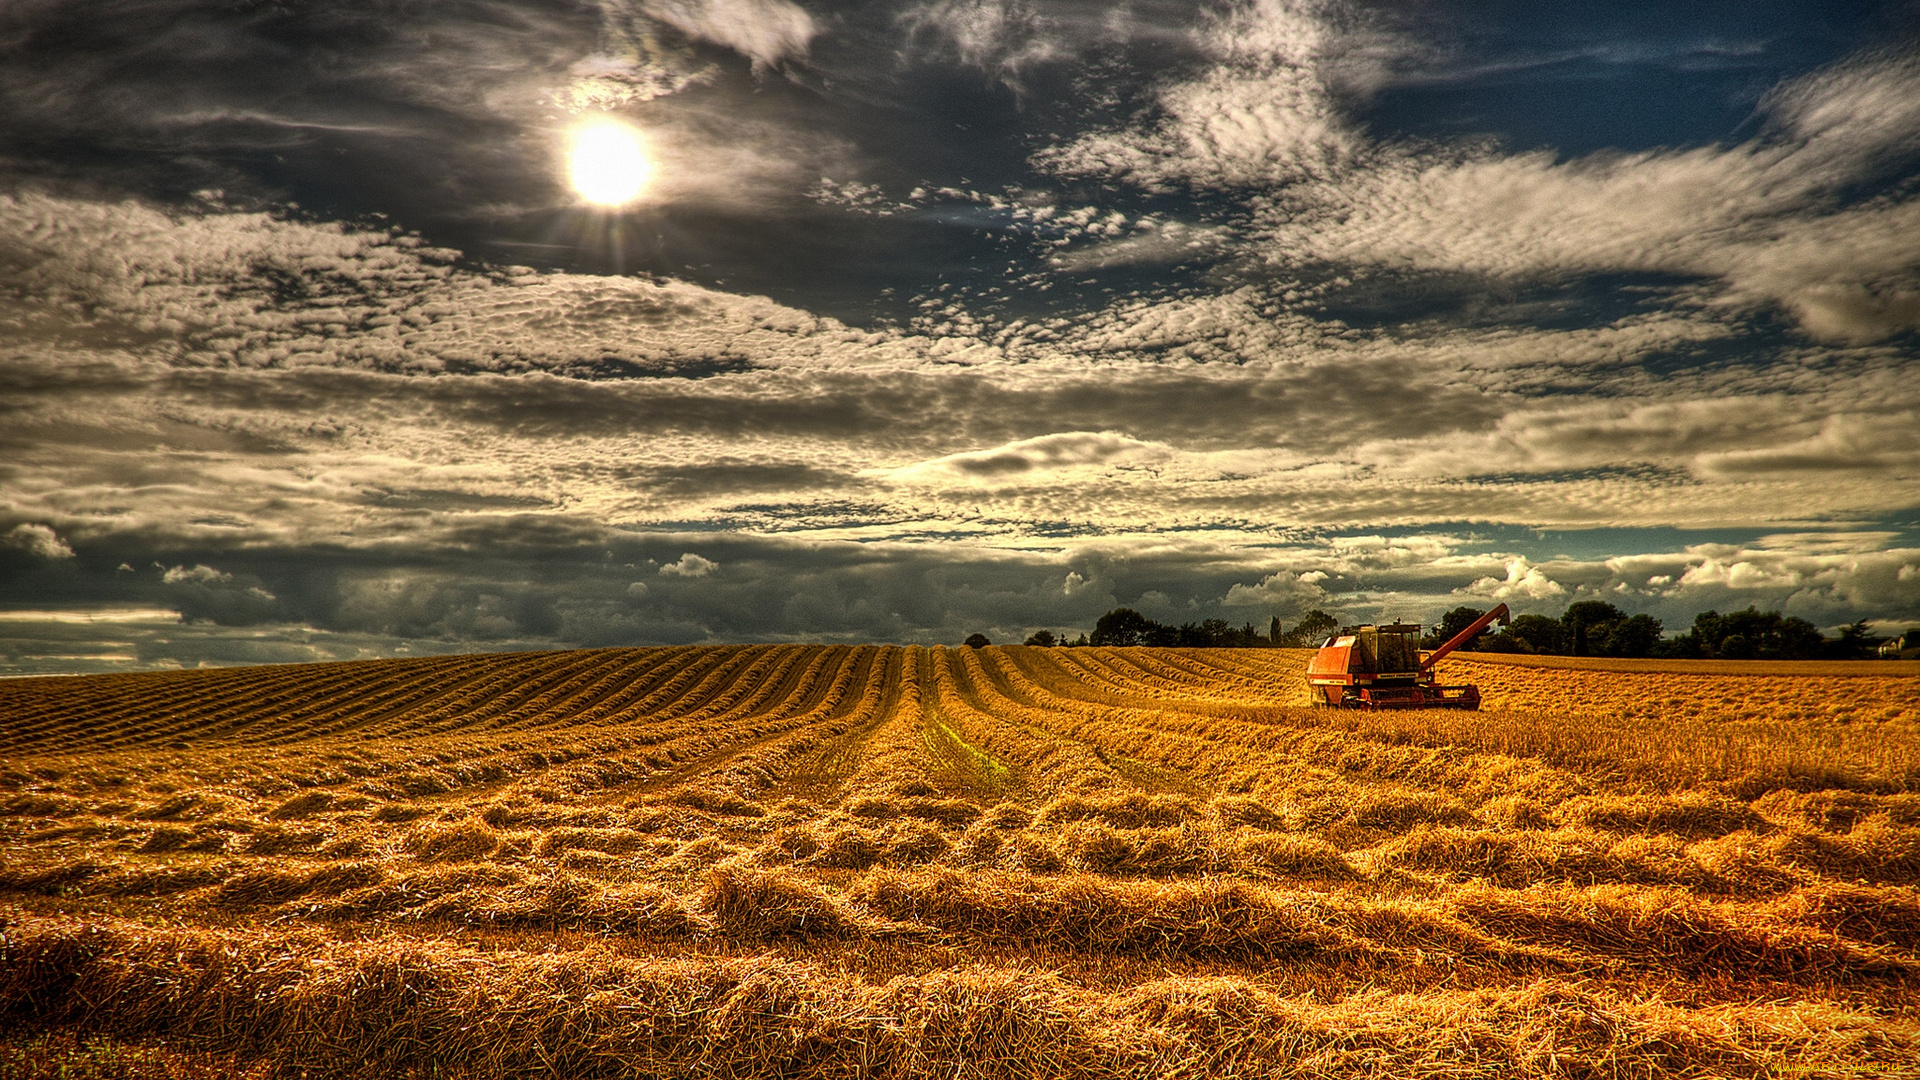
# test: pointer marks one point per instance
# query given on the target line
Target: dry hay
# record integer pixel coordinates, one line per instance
(883, 862)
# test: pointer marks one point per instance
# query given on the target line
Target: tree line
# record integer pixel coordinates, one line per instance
(1597, 628)
(1125, 626)
(1586, 628)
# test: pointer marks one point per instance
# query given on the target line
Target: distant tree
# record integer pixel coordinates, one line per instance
(1581, 617)
(1799, 639)
(1680, 647)
(1123, 626)
(1081, 642)
(1537, 634)
(1460, 619)
(1635, 636)
(1041, 637)
(1450, 624)
(1313, 628)
(1221, 634)
(1161, 636)
(1856, 642)
(1499, 643)
(1753, 634)
(977, 641)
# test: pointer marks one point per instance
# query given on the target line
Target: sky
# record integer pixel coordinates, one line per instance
(936, 317)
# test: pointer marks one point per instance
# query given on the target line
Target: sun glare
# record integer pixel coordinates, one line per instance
(607, 165)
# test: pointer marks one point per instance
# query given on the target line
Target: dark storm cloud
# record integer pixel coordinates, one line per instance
(520, 581)
(509, 579)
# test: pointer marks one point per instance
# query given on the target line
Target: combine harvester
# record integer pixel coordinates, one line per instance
(1380, 667)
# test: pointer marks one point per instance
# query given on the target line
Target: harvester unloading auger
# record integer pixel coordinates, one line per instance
(1380, 667)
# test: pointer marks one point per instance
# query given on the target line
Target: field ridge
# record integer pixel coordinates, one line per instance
(875, 860)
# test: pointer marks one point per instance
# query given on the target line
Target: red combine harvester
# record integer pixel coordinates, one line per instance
(1380, 667)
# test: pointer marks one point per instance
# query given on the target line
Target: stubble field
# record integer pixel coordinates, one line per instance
(814, 861)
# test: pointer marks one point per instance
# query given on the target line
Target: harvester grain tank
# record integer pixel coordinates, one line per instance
(1381, 667)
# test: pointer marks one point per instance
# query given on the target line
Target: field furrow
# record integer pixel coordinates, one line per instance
(901, 861)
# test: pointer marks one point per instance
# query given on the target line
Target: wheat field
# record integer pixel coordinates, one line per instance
(880, 861)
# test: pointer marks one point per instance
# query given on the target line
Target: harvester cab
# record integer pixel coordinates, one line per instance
(1381, 667)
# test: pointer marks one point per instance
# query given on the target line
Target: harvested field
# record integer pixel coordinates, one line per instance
(1870, 669)
(835, 861)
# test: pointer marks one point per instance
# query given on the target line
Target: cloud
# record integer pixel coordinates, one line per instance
(1158, 245)
(769, 32)
(1286, 593)
(1861, 112)
(1365, 554)
(1045, 453)
(1254, 398)
(1261, 114)
(690, 565)
(1523, 581)
(998, 35)
(99, 615)
(1886, 441)
(1245, 407)
(37, 540)
(1854, 430)
(606, 83)
(248, 290)
(506, 581)
(1768, 219)
(1821, 576)
(1789, 575)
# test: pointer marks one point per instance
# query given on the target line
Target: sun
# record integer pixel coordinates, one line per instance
(607, 165)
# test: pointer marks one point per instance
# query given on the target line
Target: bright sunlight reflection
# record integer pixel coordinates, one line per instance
(607, 166)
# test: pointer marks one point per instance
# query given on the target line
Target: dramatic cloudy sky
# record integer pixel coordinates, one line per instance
(939, 316)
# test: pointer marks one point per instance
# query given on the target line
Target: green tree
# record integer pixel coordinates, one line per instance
(1580, 618)
(1679, 647)
(1856, 642)
(1042, 637)
(1313, 628)
(976, 641)
(1635, 636)
(1753, 634)
(1450, 624)
(1123, 626)
(1538, 634)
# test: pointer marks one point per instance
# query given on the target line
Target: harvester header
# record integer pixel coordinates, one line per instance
(1381, 667)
